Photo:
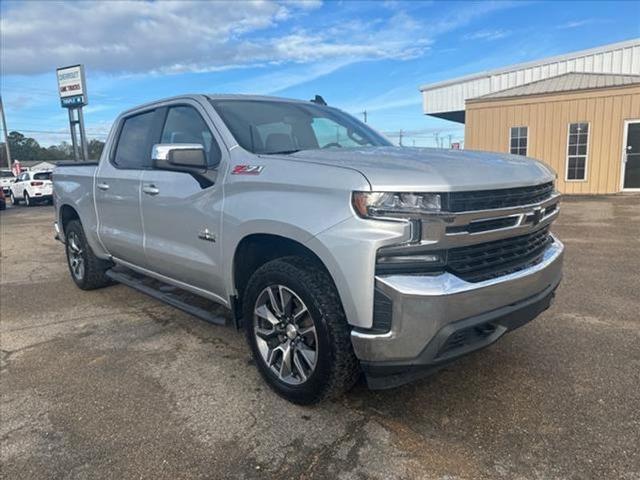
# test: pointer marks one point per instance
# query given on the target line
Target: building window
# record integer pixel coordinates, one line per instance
(577, 151)
(519, 140)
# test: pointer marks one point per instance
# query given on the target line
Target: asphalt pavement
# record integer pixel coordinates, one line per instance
(113, 384)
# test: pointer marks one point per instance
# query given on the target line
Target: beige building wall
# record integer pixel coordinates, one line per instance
(488, 124)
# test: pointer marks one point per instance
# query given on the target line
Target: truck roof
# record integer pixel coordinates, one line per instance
(216, 96)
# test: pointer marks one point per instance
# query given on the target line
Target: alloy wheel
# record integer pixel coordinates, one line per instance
(285, 334)
(75, 252)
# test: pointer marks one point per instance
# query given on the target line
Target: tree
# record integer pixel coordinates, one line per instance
(95, 148)
(26, 148)
(23, 148)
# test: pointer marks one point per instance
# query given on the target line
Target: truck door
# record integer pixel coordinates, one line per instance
(117, 188)
(182, 212)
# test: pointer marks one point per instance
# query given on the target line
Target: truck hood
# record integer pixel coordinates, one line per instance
(430, 169)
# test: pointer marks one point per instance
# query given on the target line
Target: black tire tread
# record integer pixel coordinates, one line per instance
(345, 368)
(95, 268)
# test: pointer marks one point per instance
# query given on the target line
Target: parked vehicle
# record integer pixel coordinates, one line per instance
(337, 252)
(3, 201)
(32, 187)
(6, 179)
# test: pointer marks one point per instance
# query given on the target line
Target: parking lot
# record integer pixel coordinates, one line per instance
(113, 384)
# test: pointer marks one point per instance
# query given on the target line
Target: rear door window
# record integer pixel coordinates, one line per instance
(134, 146)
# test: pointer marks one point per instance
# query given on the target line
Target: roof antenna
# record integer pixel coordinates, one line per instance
(319, 100)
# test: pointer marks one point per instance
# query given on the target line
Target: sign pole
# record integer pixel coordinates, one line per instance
(6, 137)
(83, 137)
(72, 126)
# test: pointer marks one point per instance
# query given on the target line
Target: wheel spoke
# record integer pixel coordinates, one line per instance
(306, 331)
(73, 244)
(297, 315)
(285, 366)
(272, 357)
(274, 302)
(286, 299)
(298, 365)
(308, 354)
(263, 312)
(266, 334)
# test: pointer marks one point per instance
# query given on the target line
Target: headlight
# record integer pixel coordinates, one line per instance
(403, 205)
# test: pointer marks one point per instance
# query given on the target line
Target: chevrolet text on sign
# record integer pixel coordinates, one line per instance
(71, 86)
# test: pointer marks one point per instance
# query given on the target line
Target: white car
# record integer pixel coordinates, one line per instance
(6, 179)
(32, 187)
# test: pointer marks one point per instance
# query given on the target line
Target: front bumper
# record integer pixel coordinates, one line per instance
(436, 319)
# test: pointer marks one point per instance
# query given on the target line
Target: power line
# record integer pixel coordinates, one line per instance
(52, 132)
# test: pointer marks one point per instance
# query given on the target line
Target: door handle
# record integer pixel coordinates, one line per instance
(150, 189)
(103, 186)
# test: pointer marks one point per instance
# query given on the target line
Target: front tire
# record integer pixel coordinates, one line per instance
(297, 331)
(87, 270)
(14, 201)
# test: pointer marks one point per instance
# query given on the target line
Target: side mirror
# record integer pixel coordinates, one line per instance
(179, 157)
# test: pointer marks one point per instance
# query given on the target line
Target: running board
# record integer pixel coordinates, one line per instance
(174, 296)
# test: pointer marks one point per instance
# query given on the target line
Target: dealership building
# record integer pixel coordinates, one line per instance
(579, 113)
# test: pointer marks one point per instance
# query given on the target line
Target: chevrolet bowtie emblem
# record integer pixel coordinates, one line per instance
(537, 215)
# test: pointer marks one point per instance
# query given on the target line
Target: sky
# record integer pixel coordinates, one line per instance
(358, 55)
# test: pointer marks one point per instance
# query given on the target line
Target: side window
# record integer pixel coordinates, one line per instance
(185, 125)
(133, 149)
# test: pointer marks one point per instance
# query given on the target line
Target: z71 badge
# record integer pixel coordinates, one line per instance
(247, 170)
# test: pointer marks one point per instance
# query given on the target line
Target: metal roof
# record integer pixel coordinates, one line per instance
(566, 83)
(446, 99)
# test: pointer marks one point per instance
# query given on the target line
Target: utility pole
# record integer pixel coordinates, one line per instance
(400, 138)
(364, 114)
(437, 139)
(449, 141)
(6, 136)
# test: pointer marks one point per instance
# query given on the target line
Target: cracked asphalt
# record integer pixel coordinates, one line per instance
(113, 384)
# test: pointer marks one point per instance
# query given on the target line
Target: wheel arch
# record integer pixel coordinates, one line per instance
(256, 249)
(68, 213)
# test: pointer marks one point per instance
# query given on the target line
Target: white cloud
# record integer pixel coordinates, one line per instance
(487, 34)
(576, 23)
(190, 36)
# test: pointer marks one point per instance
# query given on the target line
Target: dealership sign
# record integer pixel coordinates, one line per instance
(72, 87)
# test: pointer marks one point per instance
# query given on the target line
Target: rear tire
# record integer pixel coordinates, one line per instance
(27, 200)
(87, 270)
(308, 323)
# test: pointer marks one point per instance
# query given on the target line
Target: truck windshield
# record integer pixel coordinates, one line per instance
(280, 127)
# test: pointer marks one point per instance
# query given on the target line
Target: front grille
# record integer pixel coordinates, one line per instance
(492, 199)
(484, 225)
(480, 262)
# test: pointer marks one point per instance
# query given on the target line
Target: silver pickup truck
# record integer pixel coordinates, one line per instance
(337, 253)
